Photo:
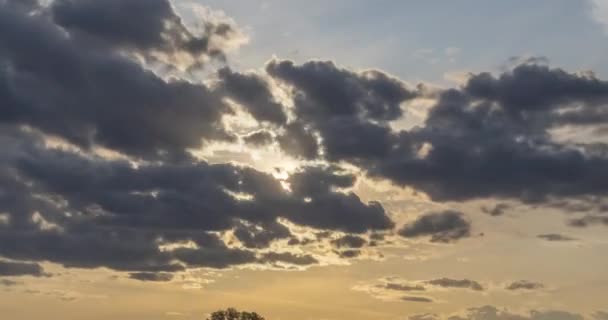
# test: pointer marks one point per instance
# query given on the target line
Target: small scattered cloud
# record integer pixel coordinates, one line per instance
(151, 276)
(457, 283)
(403, 287)
(444, 226)
(524, 285)
(416, 299)
(556, 237)
(392, 288)
(424, 316)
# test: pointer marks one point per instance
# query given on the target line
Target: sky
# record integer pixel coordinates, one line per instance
(390, 160)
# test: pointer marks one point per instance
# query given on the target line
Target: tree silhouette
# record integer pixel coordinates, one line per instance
(233, 314)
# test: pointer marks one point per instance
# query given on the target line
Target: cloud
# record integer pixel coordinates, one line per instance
(493, 313)
(289, 258)
(121, 215)
(456, 283)
(392, 288)
(12, 269)
(85, 76)
(158, 33)
(588, 220)
(516, 110)
(424, 316)
(444, 226)
(254, 93)
(151, 276)
(349, 241)
(349, 110)
(322, 206)
(349, 254)
(416, 299)
(555, 237)
(402, 287)
(252, 236)
(524, 285)
(342, 115)
(491, 138)
(299, 141)
(46, 82)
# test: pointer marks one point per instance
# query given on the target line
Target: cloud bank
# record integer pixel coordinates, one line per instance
(100, 122)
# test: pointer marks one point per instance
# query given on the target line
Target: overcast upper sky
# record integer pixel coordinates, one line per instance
(390, 160)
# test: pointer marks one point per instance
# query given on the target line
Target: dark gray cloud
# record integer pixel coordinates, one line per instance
(318, 187)
(456, 283)
(331, 90)
(253, 236)
(151, 276)
(11, 269)
(489, 139)
(589, 220)
(349, 241)
(69, 70)
(120, 214)
(92, 94)
(27, 5)
(416, 299)
(530, 88)
(253, 92)
(299, 141)
(555, 237)
(218, 257)
(524, 285)
(444, 226)
(157, 29)
(349, 253)
(349, 110)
